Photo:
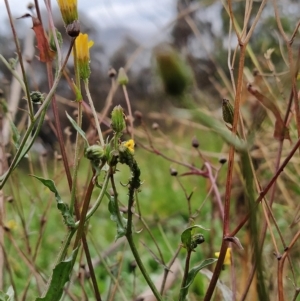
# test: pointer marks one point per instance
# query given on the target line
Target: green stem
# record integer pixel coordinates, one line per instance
(86, 85)
(99, 199)
(129, 237)
(141, 266)
(186, 271)
(112, 180)
(77, 143)
(129, 110)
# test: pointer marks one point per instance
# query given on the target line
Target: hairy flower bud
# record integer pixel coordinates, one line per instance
(36, 97)
(95, 153)
(117, 119)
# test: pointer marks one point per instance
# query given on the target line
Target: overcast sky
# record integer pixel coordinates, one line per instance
(147, 16)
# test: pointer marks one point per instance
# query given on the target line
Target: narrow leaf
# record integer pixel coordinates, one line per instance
(60, 276)
(78, 129)
(15, 134)
(61, 206)
(192, 274)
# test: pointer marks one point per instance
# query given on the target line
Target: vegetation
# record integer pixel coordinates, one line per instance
(154, 204)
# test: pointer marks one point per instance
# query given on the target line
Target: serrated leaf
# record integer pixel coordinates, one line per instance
(61, 206)
(186, 236)
(60, 276)
(78, 129)
(192, 274)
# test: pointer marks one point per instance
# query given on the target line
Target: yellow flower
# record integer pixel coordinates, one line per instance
(130, 145)
(83, 45)
(68, 9)
(11, 225)
(227, 260)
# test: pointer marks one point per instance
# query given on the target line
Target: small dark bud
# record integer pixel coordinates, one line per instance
(197, 239)
(195, 142)
(9, 199)
(155, 126)
(73, 29)
(30, 6)
(138, 115)
(222, 160)
(173, 172)
(43, 220)
(132, 266)
(255, 72)
(36, 97)
(112, 72)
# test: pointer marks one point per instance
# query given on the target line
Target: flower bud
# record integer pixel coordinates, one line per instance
(36, 97)
(173, 172)
(112, 72)
(68, 9)
(95, 153)
(83, 45)
(130, 145)
(195, 142)
(122, 77)
(117, 119)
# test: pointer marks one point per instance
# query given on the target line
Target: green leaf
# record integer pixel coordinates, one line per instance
(192, 274)
(186, 236)
(60, 276)
(9, 296)
(15, 134)
(61, 206)
(78, 129)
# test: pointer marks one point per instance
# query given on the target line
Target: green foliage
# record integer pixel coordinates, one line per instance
(60, 276)
(191, 276)
(78, 129)
(61, 206)
(189, 239)
(9, 296)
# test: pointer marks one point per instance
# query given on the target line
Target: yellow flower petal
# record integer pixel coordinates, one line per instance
(130, 145)
(82, 45)
(227, 260)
